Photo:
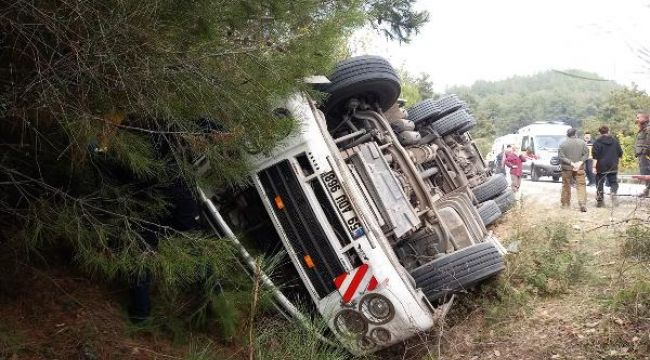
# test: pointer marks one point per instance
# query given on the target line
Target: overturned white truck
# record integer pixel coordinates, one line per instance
(374, 211)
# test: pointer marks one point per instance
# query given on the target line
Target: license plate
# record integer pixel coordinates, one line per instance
(342, 204)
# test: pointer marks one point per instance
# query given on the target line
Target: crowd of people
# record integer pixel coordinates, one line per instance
(586, 163)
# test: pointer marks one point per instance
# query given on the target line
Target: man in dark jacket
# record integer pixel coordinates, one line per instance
(606, 152)
(572, 153)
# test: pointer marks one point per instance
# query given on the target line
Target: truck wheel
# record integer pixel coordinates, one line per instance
(466, 128)
(422, 111)
(458, 271)
(452, 122)
(489, 212)
(370, 78)
(534, 173)
(556, 178)
(490, 188)
(430, 110)
(505, 200)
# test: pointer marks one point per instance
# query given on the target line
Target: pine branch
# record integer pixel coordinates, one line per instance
(84, 203)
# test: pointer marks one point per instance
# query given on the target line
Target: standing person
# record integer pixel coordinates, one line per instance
(606, 152)
(573, 153)
(498, 162)
(642, 148)
(514, 162)
(590, 161)
(506, 151)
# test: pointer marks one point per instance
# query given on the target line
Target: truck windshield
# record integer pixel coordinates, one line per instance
(545, 142)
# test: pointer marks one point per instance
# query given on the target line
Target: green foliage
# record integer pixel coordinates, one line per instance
(416, 88)
(226, 311)
(628, 162)
(396, 19)
(619, 113)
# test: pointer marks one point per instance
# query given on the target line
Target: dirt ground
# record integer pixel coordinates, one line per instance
(57, 315)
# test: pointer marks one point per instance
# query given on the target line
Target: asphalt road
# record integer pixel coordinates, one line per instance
(548, 192)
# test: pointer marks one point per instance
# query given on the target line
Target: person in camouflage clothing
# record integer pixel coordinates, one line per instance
(642, 148)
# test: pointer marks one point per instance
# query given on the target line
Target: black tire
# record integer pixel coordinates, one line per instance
(489, 212)
(506, 200)
(466, 128)
(556, 178)
(423, 110)
(430, 110)
(458, 271)
(490, 188)
(534, 174)
(371, 78)
(452, 122)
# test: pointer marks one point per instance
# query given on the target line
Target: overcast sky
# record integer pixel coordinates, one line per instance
(469, 40)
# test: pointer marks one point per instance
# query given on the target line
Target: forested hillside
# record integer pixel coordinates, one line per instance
(548, 96)
(501, 107)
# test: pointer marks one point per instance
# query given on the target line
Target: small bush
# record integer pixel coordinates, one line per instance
(547, 265)
(634, 302)
(278, 340)
(637, 243)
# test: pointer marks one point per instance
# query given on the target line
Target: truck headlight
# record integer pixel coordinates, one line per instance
(377, 308)
(380, 335)
(365, 343)
(350, 323)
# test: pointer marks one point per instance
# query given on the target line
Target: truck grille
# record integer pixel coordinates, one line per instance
(303, 230)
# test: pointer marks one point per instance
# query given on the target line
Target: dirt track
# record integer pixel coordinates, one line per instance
(547, 192)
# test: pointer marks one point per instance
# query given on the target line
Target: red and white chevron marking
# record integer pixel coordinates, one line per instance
(355, 283)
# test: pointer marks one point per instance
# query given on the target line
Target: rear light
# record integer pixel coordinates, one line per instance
(377, 308)
(350, 323)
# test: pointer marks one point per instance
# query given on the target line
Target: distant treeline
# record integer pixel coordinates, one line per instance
(581, 99)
